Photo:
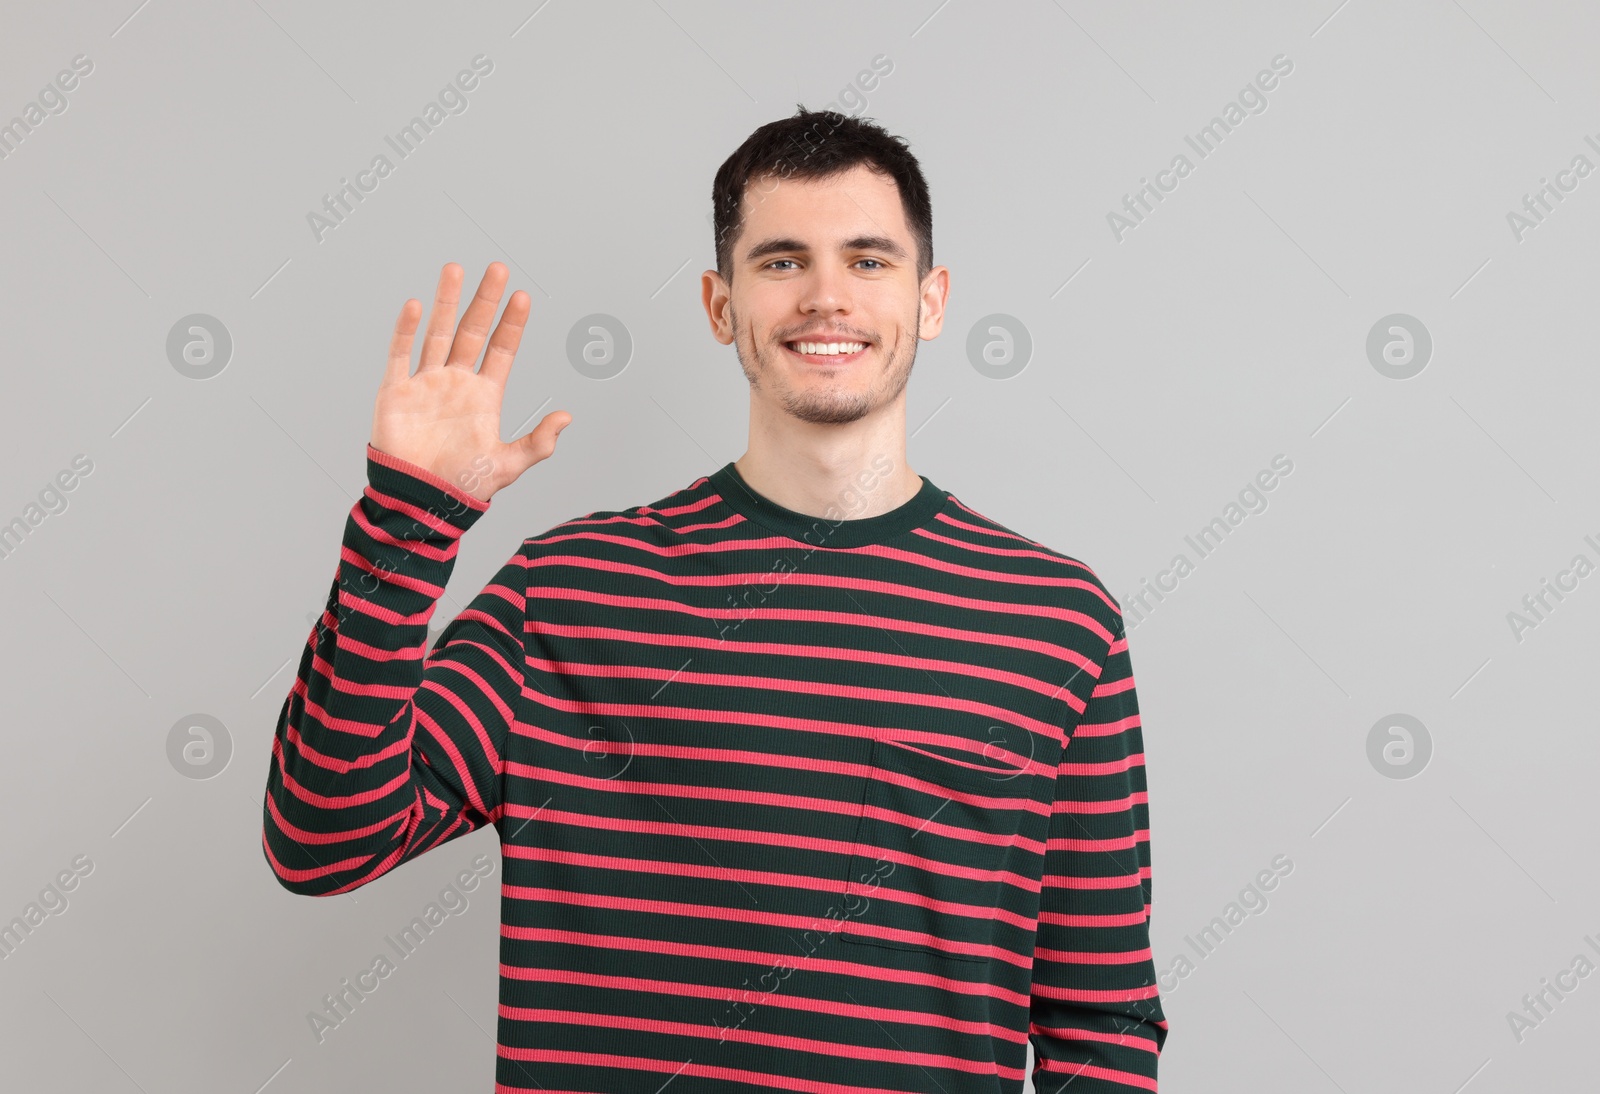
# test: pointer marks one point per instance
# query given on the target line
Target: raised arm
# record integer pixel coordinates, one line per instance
(1096, 1017)
(383, 751)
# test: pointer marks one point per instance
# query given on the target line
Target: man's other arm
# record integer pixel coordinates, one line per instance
(1096, 1017)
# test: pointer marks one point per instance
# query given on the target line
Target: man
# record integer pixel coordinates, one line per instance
(779, 763)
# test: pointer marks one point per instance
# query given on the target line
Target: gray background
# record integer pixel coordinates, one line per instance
(1168, 369)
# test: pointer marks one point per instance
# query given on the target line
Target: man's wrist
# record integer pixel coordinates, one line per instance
(397, 471)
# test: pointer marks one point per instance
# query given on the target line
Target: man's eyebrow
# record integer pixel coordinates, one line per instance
(858, 243)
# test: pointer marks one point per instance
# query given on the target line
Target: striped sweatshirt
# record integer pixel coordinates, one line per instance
(784, 803)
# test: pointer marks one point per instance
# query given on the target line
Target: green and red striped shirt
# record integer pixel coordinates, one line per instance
(784, 802)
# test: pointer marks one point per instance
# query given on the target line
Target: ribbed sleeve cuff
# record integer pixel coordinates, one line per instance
(390, 475)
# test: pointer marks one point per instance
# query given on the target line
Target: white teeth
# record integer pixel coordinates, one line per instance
(829, 349)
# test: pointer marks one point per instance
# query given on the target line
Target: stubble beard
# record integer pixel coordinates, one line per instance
(840, 404)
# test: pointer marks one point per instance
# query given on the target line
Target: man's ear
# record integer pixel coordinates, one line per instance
(935, 292)
(716, 295)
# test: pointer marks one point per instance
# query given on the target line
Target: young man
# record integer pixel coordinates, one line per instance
(779, 764)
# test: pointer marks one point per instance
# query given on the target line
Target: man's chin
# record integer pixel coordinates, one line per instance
(826, 411)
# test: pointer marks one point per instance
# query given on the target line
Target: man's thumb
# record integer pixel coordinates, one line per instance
(540, 442)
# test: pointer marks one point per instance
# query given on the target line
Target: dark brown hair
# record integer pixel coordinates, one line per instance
(817, 144)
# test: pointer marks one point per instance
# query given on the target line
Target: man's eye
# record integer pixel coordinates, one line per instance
(876, 264)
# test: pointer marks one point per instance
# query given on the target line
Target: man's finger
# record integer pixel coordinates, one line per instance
(442, 321)
(405, 330)
(507, 337)
(479, 314)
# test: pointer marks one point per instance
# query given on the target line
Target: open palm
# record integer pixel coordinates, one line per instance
(446, 416)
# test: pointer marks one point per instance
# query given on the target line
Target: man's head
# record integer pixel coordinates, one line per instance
(824, 235)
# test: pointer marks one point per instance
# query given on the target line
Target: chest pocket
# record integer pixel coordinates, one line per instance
(935, 856)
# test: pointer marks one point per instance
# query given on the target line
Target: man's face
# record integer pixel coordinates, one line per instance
(819, 263)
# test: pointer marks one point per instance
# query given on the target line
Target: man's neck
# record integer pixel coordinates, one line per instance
(841, 482)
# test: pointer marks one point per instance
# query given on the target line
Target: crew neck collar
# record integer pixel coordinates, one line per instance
(823, 531)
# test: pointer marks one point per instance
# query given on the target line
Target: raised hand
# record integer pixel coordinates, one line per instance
(446, 416)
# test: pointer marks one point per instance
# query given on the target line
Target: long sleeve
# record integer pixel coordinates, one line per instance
(1095, 1015)
(384, 751)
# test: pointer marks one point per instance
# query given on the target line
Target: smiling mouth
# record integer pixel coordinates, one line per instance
(827, 353)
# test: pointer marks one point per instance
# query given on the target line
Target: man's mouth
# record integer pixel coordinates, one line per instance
(827, 353)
